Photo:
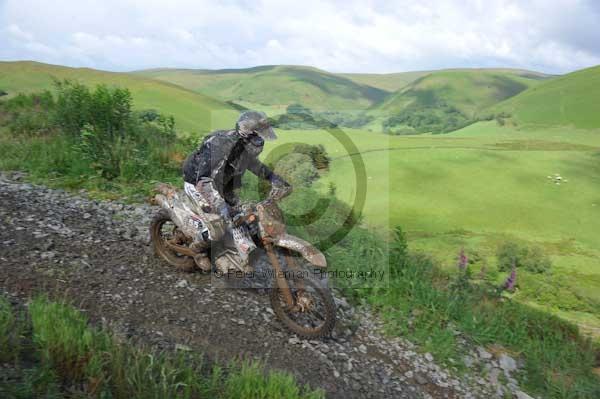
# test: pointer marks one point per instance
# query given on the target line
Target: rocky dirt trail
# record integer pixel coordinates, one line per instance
(97, 255)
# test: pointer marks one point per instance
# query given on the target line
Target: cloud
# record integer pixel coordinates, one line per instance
(359, 36)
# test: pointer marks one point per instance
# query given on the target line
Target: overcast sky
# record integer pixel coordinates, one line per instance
(553, 36)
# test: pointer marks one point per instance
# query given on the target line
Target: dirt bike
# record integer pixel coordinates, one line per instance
(299, 296)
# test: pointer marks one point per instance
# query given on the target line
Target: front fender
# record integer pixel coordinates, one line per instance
(306, 249)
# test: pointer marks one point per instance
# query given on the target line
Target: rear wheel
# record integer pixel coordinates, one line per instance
(312, 314)
(163, 230)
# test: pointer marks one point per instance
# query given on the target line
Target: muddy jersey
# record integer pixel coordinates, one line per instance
(224, 157)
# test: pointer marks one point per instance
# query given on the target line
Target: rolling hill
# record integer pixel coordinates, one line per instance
(275, 87)
(468, 90)
(386, 81)
(193, 112)
(571, 99)
(447, 100)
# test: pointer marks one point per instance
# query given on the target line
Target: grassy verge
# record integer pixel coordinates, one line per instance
(66, 353)
(437, 311)
(56, 162)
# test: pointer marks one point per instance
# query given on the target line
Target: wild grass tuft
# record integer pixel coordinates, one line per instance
(98, 365)
(250, 381)
(10, 331)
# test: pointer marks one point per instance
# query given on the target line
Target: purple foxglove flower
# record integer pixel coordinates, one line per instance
(510, 282)
(463, 260)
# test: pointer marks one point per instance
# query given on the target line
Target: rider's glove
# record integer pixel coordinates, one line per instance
(279, 188)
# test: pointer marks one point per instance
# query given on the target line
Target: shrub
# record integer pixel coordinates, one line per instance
(29, 115)
(74, 108)
(532, 259)
(317, 154)
(98, 133)
(297, 109)
(297, 169)
(346, 119)
(437, 117)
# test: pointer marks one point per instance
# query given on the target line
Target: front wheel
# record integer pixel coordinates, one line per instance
(312, 314)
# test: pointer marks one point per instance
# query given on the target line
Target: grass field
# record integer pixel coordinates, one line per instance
(193, 112)
(479, 187)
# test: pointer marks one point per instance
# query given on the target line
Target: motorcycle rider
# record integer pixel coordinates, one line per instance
(213, 174)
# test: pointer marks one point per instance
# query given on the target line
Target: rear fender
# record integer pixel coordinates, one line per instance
(187, 220)
(176, 212)
(304, 248)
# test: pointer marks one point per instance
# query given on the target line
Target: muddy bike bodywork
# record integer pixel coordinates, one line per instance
(295, 292)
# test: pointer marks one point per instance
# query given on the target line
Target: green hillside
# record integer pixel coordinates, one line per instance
(395, 81)
(275, 87)
(447, 100)
(572, 99)
(193, 112)
(386, 81)
(468, 90)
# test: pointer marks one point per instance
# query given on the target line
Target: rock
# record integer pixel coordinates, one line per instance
(485, 355)
(183, 348)
(362, 348)
(409, 374)
(420, 379)
(522, 395)
(428, 357)
(47, 255)
(468, 361)
(507, 363)
(294, 340)
(127, 234)
(181, 284)
(87, 215)
(493, 376)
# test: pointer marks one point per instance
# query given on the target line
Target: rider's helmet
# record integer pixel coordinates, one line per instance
(254, 123)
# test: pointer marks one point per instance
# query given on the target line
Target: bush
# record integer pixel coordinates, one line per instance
(347, 119)
(316, 153)
(29, 115)
(435, 117)
(297, 169)
(98, 132)
(531, 259)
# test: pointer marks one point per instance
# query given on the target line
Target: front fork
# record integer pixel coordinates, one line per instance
(282, 283)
